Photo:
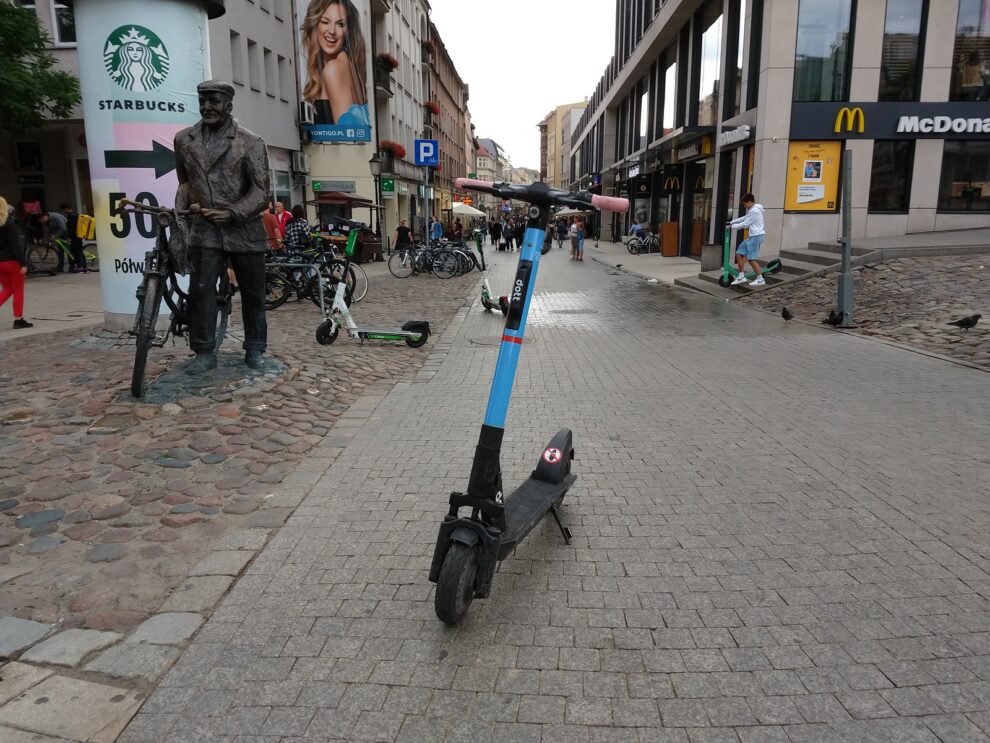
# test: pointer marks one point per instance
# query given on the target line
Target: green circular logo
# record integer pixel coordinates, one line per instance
(136, 59)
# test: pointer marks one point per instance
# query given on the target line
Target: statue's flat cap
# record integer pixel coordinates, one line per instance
(215, 86)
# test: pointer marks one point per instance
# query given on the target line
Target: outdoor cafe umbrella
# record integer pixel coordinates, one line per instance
(460, 209)
(569, 212)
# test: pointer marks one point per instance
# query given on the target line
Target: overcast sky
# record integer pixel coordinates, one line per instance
(510, 94)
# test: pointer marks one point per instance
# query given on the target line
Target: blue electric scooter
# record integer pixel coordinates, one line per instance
(468, 547)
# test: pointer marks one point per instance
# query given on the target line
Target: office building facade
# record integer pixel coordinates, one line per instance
(705, 100)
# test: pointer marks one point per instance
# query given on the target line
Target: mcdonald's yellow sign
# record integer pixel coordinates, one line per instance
(853, 118)
(672, 183)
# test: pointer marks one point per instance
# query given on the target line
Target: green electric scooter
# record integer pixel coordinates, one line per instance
(729, 271)
(487, 298)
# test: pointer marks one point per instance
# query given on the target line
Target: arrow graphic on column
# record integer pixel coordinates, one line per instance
(159, 157)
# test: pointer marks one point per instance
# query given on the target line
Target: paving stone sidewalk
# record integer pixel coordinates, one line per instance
(780, 534)
(909, 301)
(123, 522)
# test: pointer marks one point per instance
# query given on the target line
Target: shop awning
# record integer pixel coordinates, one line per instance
(345, 199)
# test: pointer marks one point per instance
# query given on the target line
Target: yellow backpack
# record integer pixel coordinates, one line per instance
(85, 227)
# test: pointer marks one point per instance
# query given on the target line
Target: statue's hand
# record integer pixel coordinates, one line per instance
(195, 208)
(218, 216)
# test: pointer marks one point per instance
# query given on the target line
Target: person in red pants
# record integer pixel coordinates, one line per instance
(13, 266)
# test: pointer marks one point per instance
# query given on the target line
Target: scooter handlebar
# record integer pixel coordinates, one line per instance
(541, 192)
(610, 203)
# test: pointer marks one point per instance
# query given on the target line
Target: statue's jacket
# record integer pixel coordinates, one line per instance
(225, 169)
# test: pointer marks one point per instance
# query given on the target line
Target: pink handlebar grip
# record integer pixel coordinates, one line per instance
(470, 183)
(610, 203)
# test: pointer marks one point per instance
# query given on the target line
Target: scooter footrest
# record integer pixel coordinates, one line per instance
(526, 506)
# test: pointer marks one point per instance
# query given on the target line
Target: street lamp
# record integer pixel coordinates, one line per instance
(375, 166)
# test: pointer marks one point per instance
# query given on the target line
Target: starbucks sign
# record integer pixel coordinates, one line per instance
(136, 59)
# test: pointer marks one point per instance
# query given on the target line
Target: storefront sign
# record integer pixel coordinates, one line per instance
(341, 186)
(139, 63)
(671, 180)
(812, 176)
(30, 179)
(633, 171)
(732, 136)
(641, 186)
(699, 148)
(890, 120)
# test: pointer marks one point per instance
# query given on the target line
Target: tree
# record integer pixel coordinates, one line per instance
(32, 89)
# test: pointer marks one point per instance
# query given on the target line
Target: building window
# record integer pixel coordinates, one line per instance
(271, 80)
(824, 42)
(900, 61)
(738, 75)
(971, 60)
(284, 78)
(29, 5)
(965, 183)
(236, 58)
(254, 65)
(669, 93)
(708, 64)
(890, 178)
(65, 23)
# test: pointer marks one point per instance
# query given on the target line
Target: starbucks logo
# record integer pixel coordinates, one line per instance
(136, 59)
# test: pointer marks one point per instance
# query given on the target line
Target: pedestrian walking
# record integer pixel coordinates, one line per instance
(496, 234)
(403, 236)
(519, 233)
(13, 265)
(582, 229)
(283, 216)
(572, 233)
(77, 259)
(436, 233)
(749, 248)
(458, 230)
(58, 226)
(561, 229)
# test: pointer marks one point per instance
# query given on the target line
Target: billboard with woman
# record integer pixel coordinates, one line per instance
(334, 68)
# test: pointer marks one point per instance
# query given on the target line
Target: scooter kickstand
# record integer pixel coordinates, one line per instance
(563, 529)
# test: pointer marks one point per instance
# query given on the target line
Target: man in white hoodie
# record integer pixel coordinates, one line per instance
(749, 249)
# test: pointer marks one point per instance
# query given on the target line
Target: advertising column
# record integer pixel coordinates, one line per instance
(139, 64)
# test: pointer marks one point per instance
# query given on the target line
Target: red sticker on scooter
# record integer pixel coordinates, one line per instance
(552, 456)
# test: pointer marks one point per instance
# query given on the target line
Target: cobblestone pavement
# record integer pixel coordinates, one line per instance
(909, 301)
(780, 534)
(107, 503)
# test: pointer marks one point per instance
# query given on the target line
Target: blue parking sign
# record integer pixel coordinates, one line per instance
(427, 152)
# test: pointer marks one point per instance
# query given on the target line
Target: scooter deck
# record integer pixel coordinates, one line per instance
(525, 506)
(386, 331)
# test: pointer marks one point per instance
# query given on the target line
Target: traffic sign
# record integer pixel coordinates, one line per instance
(427, 152)
(388, 185)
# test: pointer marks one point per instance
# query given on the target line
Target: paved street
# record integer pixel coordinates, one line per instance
(780, 534)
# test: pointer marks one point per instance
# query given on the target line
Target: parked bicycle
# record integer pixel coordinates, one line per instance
(645, 242)
(161, 282)
(44, 257)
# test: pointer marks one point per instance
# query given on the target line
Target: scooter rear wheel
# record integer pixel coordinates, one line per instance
(455, 585)
(773, 266)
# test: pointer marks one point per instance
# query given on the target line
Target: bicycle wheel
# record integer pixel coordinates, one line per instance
(149, 296)
(92, 258)
(446, 264)
(330, 284)
(277, 289)
(402, 263)
(360, 290)
(40, 258)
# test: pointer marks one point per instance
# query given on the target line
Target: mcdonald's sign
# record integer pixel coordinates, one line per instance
(672, 180)
(849, 117)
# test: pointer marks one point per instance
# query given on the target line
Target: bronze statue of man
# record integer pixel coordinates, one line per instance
(223, 180)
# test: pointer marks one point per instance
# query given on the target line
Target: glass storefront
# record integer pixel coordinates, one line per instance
(965, 182)
(701, 179)
(971, 57)
(900, 60)
(890, 179)
(821, 64)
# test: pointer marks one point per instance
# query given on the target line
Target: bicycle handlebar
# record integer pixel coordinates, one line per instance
(541, 193)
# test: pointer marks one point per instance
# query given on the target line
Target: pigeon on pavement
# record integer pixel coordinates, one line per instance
(966, 322)
(786, 314)
(834, 318)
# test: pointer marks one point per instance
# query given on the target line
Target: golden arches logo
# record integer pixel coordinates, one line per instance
(673, 183)
(853, 118)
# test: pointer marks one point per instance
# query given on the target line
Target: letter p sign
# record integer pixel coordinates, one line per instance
(427, 152)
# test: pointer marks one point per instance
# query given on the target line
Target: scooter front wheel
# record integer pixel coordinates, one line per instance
(455, 585)
(725, 279)
(327, 332)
